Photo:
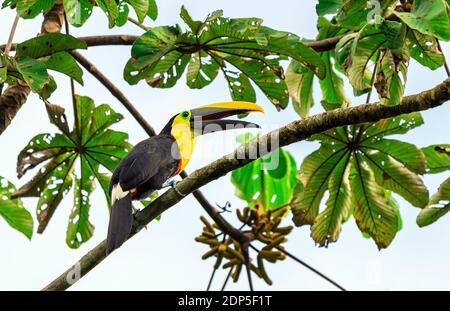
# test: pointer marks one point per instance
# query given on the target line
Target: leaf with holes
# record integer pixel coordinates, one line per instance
(12, 210)
(424, 49)
(241, 45)
(359, 167)
(390, 79)
(49, 44)
(34, 73)
(73, 158)
(268, 181)
(430, 17)
(32, 8)
(111, 9)
(78, 11)
(438, 158)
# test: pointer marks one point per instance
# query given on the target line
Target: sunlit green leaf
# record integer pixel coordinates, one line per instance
(438, 158)
(438, 206)
(268, 181)
(78, 11)
(424, 49)
(12, 210)
(429, 17)
(299, 81)
(92, 144)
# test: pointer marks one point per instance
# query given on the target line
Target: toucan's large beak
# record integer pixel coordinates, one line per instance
(207, 118)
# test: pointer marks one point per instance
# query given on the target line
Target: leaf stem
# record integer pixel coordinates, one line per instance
(226, 279)
(72, 90)
(132, 20)
(447, 69)
(11, 35)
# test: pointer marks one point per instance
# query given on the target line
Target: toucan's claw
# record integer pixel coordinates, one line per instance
(173, 184)
(224, 208)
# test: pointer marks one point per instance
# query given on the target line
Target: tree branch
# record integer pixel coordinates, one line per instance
(292, 132)
(102, 40)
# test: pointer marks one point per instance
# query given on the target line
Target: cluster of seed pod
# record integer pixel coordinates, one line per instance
(265, 228)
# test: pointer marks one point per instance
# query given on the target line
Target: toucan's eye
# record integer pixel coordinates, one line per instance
(185, 114)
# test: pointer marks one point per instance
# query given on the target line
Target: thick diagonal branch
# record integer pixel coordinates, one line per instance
(292, 132)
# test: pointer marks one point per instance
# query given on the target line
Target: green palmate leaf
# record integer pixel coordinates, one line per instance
(141, 8)
(324, 7)
(438, 158)
(202, 70)
(314, 174)
(160, 55)
(239, 86)
(327, 225)
(65, 63)
(49, 44)
(78, 11)
(269, 82)
(152, 9)
(390, 79)
(12, 210)
(376, 165)
(32, 8)
(394, 176)
(111, 9)
(407, 154)
(299, 81)
(268, 181)
(397, 125)
(354, 14)
(35, 74)
(438, 206)
(91, 144)
(371, 209)
(332, 86)
(122, 16)
(424, 49)
(429, 17)
(80, 229)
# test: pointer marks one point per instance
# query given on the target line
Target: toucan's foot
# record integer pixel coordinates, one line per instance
(173, 184)
(224, 208)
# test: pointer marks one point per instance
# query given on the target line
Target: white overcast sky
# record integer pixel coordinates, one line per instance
(166, 257)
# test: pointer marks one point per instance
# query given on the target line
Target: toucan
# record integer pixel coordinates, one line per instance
(153, 161)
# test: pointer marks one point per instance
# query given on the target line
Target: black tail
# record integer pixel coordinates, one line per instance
(120, 223)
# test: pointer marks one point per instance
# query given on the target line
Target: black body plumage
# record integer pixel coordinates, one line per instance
(145, 169)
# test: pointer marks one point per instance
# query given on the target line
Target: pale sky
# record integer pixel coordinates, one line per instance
(166, 257)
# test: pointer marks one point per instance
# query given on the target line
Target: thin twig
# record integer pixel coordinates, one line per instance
(447, 69)
(11, 35)
(361, 128)
(311, 268)
(226, 279)
(211, 279)
(247, 268)
(303, 264)
(216, 266)
(137, 23)
(72, 90)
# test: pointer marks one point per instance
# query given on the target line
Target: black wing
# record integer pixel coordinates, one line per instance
(143, 162)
